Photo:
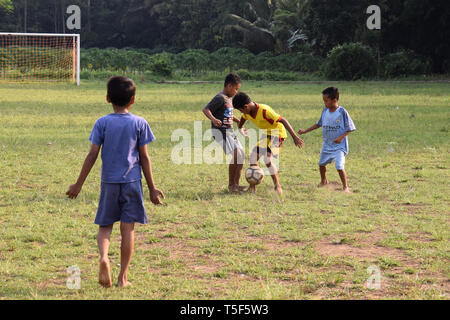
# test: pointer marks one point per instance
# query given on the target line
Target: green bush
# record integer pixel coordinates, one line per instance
(161, 65)
(351, 61)
(114, 59)
(194, 60)
(403, 63)
(267, 75)
(231, 58)
(306, 63)
(262, 61)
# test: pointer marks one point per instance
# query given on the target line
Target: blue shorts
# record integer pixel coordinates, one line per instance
(328, 157)
(121, 202)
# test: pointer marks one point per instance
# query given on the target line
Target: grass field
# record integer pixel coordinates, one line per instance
(208, 244)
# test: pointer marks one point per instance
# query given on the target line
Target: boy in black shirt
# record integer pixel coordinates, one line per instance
(220, 112)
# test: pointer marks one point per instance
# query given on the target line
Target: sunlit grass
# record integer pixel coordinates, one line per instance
(209, 244)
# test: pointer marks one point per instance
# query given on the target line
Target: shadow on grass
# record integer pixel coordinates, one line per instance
(206, 195)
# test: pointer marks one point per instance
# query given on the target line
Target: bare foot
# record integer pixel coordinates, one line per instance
(104, 276)
(322, 184)
(123, 282)
(252, 188)
(346, 190)
(279, 190)
(236, 188)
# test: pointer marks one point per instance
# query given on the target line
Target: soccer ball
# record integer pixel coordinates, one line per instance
(254, 175)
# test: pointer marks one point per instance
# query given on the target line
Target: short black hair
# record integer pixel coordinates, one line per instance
(121, 90)
(332, 93)
(240, 100)
(233, 79)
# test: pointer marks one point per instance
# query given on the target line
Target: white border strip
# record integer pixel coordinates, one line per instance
(78, 58)
(39, 34)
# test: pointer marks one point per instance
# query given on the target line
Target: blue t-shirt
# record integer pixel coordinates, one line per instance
(334, 124)
(120, 136)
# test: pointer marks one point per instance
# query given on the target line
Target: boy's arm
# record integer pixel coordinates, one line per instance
(349, 127)
(342, 137)
(147, 169)
(210, 116)
(314, 127)
(241, 128)
(75, 189)
(298, 142)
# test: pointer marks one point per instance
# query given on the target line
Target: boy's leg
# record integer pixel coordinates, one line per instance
(254, 158)
(273, 172)
(235, 170)
(343, 176)
(126, 252)
(340, 167)
(325, 158)
(103, 241)
(323, 176)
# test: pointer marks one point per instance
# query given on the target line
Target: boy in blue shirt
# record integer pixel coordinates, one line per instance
(336, 126)
(123, 138)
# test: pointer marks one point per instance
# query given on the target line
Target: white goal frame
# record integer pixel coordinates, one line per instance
(76, 48)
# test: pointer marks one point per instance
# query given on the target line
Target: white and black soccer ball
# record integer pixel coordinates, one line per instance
(254, 175)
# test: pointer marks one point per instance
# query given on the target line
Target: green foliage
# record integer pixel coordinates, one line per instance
(161, 65)
(193, 60)
(287, 26)
(114, 59)
(197, 60)
(231, 58)
(268, 75)
(6, 6)
(351, 61)
(403, 63)
(299, 62)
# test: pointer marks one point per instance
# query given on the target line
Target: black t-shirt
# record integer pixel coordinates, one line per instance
(221, 107)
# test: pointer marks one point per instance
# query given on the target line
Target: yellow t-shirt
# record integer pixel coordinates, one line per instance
(267, 119)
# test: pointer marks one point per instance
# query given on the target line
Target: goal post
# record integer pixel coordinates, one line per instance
(40, 57)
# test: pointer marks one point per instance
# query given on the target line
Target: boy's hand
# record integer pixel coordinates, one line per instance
(217, 122)
(298, 142)
(244, 132)
(301, 131)
(338, 140)
(73, 191)
(155, 194)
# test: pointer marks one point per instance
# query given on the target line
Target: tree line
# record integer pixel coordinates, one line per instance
(418, 27)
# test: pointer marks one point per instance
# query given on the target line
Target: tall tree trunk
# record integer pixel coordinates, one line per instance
(25, 16)
(56, 16)
(89, 15)
(63, 19)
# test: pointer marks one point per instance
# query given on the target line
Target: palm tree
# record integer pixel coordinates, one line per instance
(252, 29)
(288, 22)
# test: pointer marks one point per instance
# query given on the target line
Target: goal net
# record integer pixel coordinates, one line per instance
(40, 57)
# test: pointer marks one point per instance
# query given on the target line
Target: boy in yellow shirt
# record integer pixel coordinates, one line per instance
(264, 117)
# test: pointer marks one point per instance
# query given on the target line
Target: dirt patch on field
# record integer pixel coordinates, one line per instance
(399, 271)
(328, 248)
(363, 247)
(272, 243)
(185, 252)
